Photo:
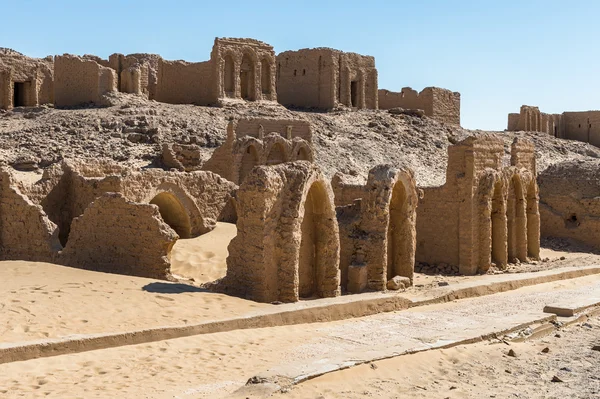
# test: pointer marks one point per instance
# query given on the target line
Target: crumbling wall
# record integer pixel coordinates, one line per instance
(287, 245)
(80, 81)
(244, 69)
(26, 233)
(203, 198)
(488, 212)
(28, 81)
(267, 142)
(378, 228)
(137, 73)
(184, 158)
(440, 104)
(570, 201)
(181, 82)
(326, 78)
(118, 236)
(581, 126)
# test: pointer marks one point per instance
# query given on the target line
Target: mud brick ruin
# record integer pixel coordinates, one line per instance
(287, 246)
(326, 78)
(570, 201)
(252, 142)
(440, 104)
(488, 212)
(377, 228)
(581, 126)
(238, 70)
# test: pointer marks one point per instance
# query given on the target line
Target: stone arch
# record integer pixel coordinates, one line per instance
(276, 149)
(533, 219)
(301, 151)
(173, 213)
(229, 75)
(249, 153)
(178, 210)
(398, 257)
(265, 79)
(247, 77)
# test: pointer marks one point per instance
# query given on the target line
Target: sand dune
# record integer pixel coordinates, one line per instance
(203, 258)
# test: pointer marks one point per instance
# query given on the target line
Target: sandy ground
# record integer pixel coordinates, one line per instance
(203, 258)
(40, 300)
(482, 370)
(214, 365)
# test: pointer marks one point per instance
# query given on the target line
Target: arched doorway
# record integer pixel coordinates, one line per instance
(498, 230)
(173, 213)
(302, 154)
(247, 78)
(276, 154)
(516, 221)
(312, 230)
(249, 161)
(228, 77)
(533, 222)
(265, 79)
(396, 234)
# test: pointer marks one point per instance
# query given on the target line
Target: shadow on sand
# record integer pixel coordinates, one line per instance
(171, 288)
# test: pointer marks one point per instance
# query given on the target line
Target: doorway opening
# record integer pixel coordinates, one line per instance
(173, 213)
(354, 94)
(19, 94)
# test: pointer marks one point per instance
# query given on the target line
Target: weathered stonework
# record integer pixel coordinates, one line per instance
(581, 126)
(326, 78)
(570, 201)
(118, 236)
(377, 228)
(287, 246)
(485, 213)
(25, 81)
(26, 233)
(239, 69)
(253, 142)
(79, 80)
(440, 104)
(191, 203)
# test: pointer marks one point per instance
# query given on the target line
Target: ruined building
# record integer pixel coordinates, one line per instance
(287, 246)
(260, 141)
(25, 81)
(485, 212)
(238, 69)
(325, 78)
(104, 217)
(80, 80)
(570, 201)
(377, 228)
(581, 126)
(440, 104)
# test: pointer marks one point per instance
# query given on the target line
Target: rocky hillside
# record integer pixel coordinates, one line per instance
(132, 131)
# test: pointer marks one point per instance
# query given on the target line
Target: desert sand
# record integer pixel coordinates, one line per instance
(203, 259)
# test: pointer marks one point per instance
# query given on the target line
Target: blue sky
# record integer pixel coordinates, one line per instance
(498, 54)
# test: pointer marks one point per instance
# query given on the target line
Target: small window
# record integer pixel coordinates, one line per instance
(303, 72)
(580, 125)
(295, 75)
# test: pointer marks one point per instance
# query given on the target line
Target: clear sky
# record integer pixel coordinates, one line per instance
(497, 54)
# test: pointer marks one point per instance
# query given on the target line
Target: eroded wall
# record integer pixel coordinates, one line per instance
(287, 246)
(260, 141)
(79, 81)
(326, 78)
(25, 81)
(486, 213)
(440, 104)
(570, 201)
(377, 229)
(114, 235)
